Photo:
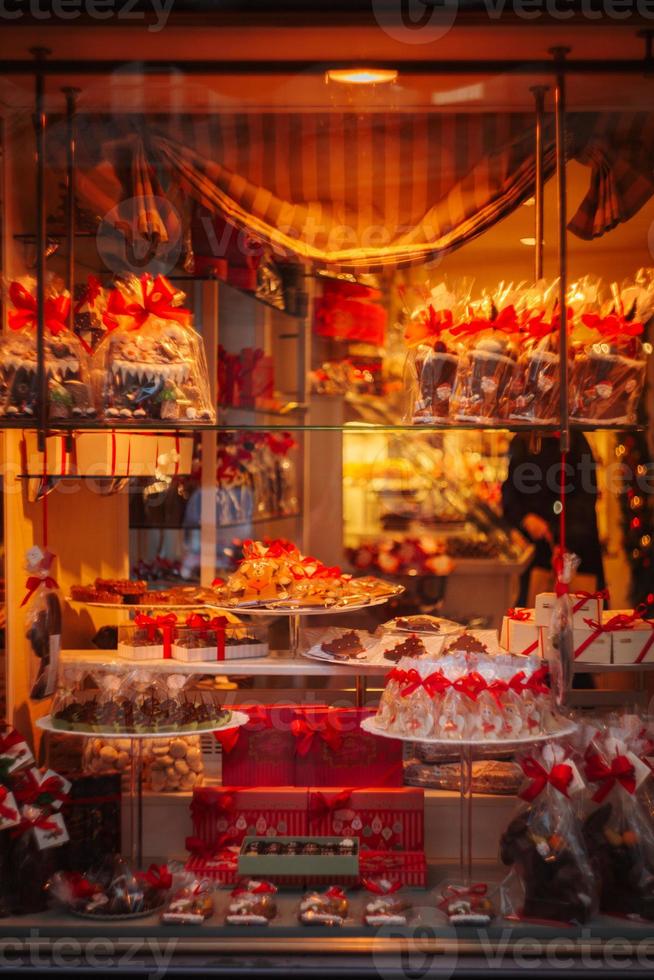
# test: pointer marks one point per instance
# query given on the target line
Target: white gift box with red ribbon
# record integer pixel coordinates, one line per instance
(633, 644)
(585, 605)
(519, 633)
(591, 646)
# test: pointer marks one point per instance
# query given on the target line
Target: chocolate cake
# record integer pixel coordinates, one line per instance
(411, 647)
(467, 643)
(343, 647)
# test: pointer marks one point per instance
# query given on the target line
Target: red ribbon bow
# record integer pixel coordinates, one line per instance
(428, 327)
(156, 300)
(89, 294)
(30, 791)
(261, 888)
(25, 313)
(620, 771)
(6, 812)
(506, 321)
(207, 797)
(32, 584)
(583, 597)
(536, 682)
(377, 889)
(559, 776)
(305, 731)
(163, 622)
(80, 886)
(41, 821)
(612, 327)
(157, 876)
(204, 623)
(519, 615)
(397, 674)
(321, 805)
(10, 740)
(471, 685)
(436, 684)
(413, 681)
(497, 689)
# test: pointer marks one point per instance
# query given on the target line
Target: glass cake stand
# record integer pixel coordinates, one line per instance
(136, 739)
(469, 750)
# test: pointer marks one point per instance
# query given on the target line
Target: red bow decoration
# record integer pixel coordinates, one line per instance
(80, 886)
(519, 615)
(33, 582)
(24, 315)
(470, 684)
(436, 684)
(207, 797)
(536, 326)
(428, 327)
(583, 597)
(90, 293)
(451, 894)
(377, 889)
(40, 820)
(31, 792)
(397, 674)
(157, 876)
(156, 300)
(536, 682)
(620, 771)
(506, 321)
(6, 812)
(305, 731)
(517, 682)
(497, 689)
(612, 327)
(203, 623)
(413, 681)
(11, 739)
(163, 622)
(335, 892)
(559, 776)
(321, 805)
(261, 888)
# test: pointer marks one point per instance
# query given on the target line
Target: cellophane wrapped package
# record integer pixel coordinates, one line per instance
(545, 845)
(535, 392)
(151, 365)
(609, 362)
(432, 311)
(487, 371)
(66, 361)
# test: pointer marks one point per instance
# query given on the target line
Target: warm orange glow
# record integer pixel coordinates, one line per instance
(361, 76)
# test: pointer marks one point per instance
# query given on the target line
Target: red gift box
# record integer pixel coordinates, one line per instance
(332, 750)
(262, 752)
(407, 867)
(224, 815)
(383, 819)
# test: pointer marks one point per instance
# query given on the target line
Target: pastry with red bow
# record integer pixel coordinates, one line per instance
(329, 908)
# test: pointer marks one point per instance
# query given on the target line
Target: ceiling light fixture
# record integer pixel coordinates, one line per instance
(361, 76)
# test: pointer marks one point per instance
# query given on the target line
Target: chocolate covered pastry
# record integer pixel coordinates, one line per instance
(484, 385)
(344, 647)
(436, 369)
(417, 624)
(467, 643)
(411, 647)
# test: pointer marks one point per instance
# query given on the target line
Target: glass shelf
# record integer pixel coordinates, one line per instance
(291, 423)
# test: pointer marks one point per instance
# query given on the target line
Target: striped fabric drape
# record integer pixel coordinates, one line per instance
(356, 192)
(360, 192)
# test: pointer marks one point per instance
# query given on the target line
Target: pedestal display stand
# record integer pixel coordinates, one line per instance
(136, 768)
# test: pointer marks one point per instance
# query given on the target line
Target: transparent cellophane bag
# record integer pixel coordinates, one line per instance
(430, 370)
(151, 367)
(43, 632)
(619, 835)
(609, 361)
(544, 845)
(535, 391)
(487, 369)
(70, 392)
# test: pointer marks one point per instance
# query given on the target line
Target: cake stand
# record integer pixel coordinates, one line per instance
(237, 719)
(468, 750)
(295, 611)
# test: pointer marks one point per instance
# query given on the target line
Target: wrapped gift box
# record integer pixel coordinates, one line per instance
(224, 816)
(219, 864)
(332, 750)
(584, 606)
(519, 633)
(383, 819)
(407, 867)
(634, 644)
(591, 646)
(261, 753)
(93, 821)
(109, 454)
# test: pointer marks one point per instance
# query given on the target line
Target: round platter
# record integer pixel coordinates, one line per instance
(569, 728)
(137, 607)
(127, 917)
(286, 607)
(238, 719)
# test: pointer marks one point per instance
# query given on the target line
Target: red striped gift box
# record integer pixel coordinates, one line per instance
(262, 752)
(382, 819)
(224, 815)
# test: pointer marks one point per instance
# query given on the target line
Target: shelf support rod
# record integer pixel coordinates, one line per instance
(538, 92)
(40, 55)
(559, 55)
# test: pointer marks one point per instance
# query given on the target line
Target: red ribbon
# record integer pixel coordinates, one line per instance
(165, 623)
(305, 731)
(209, 798)
(25, 313)
(261, 888)
(41, 821)
(519, 615)
(80, 886)
(397, 674)
(505, 321)
(428, 327)
(157, 876)
(373, 886)
(33, 582)
(620, 771)
(436, 684)
(471, 685)
(559, 776)
(536, 682)
(30, 791)
(497, 689)
(452, 893)
(90, 293)
(204, 623)
(413, 681)
(156, 300)
(335, 892)
(613, 327)
(583, 597)
(321, 805)
(11, 739)
(6, 812)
